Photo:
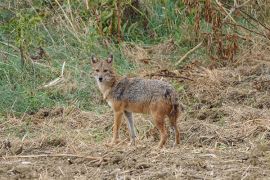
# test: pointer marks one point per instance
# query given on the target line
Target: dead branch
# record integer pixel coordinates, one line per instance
(166, 75)
(235, 6)
(56, 80)
(225, 10)
(254, 19)
(56, 155)
(189, 52)
(243, 27)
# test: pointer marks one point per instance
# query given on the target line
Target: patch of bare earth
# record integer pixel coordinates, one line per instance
(225, 134)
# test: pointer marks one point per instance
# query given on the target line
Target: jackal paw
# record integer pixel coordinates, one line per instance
(113, 142)
(175, 144)
(132, 142)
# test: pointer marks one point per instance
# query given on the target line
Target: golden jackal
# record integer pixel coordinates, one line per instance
(136, 95)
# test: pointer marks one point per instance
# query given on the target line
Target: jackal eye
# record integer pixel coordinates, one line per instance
(97, 70)
(105, 70)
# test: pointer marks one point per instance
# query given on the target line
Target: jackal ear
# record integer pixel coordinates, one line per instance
(94, 59)
(110, 59)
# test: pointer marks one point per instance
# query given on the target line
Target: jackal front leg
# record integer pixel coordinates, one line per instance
(131, 127)
(116, 127)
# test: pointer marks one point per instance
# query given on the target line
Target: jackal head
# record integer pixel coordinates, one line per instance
(103, 70)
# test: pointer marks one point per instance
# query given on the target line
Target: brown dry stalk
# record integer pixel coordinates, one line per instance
(69, 21)
(225, 10)
(254, 19)
(57, 155)
(166, 75)
(243, 27)
(118, 12)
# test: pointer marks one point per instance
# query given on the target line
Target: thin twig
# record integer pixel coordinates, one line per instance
(56, 80)
(258, 33)
(44, 65)
(10, 45)
(172, 76)
(63, 68)
(225, 10)
(5, 52)
(235, 6)
(69, 21)
(254, 19)
(119, 20)
(189, 52)
(29, 2)
(57, 155)
(245, 173)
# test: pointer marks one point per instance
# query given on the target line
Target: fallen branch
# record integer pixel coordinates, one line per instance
(57, 80)
(235, 7)
(189, 52)
(225, 10)
(166, 75)
(57, 155)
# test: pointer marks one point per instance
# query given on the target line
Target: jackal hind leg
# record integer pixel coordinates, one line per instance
(173, 124)
(160, 124)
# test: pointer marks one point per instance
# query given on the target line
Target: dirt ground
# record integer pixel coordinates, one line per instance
(225, 134)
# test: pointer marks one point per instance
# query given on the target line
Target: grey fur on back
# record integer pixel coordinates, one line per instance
(142, 90)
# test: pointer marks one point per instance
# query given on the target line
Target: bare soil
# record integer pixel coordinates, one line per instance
(225, 134)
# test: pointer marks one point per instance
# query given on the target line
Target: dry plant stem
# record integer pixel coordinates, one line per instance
(45, 28)
(118, 11)
(161, 75)
(10, 45)
(256, 20)
(235, 6)
(7, 53)
(225, 10)
(258, 33)
(57, 155)
(57, 80)
(22, 56)
(189, 52)
(69, 21)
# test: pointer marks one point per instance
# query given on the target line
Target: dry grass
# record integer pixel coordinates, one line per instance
(225, 133)
(153, 57)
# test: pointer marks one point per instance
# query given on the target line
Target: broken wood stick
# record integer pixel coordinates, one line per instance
(189, 52)
(56, 80)
(57, 155)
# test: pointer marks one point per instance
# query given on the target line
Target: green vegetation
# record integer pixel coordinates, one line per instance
(37, 37)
